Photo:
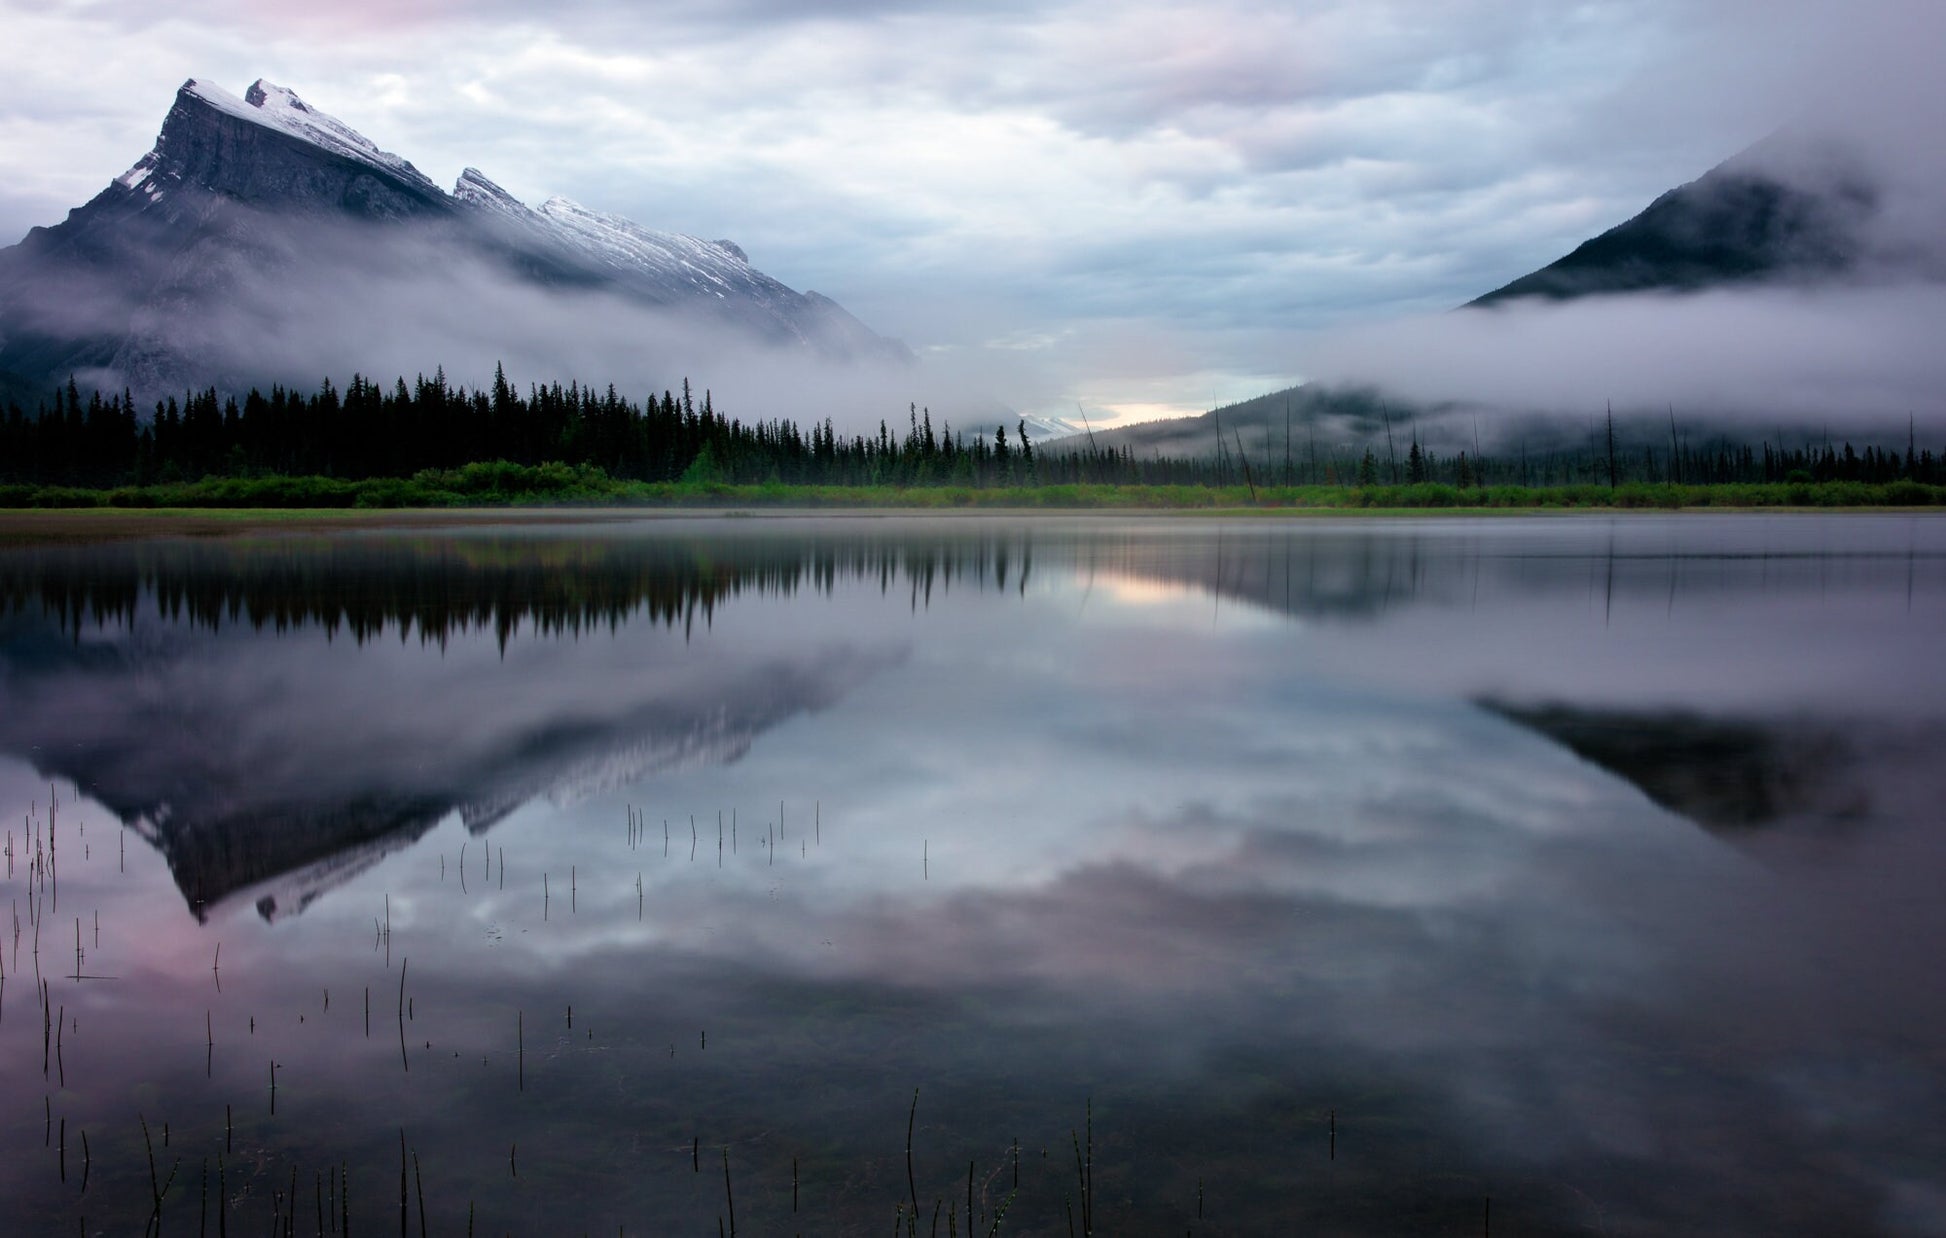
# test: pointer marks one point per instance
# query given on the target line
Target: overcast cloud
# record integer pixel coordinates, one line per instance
(1140, 207)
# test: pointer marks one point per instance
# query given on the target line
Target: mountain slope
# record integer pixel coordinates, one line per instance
(1280, 433)
(242, 244)
(1787, 209)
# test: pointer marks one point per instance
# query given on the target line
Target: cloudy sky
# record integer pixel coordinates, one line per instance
(1138, 206)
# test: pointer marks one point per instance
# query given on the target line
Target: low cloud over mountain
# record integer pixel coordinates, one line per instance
(263, 241)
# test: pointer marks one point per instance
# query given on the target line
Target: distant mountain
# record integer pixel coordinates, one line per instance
(258, 225)
(1789, 209)
(1282, 433)
(1792, 209)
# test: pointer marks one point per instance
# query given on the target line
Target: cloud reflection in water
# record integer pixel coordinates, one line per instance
(1114, 826)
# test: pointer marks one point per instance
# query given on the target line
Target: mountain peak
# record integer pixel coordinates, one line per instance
(474, 187)
(261, 91)
(1792, 208)
(279, 109)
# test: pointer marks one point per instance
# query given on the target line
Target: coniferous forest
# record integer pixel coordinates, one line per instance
(433, 441)
(370, 431)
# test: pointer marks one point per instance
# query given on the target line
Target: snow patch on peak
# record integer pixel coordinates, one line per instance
(142, 177)
(211, 93)
(472, 180)
(626, 245)
(556, 204)
(475, 188)
(279, 108)
(262, 92)
(733, 249)
(133, 178)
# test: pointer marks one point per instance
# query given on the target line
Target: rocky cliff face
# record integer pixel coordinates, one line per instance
(255, 219)
(271, 149)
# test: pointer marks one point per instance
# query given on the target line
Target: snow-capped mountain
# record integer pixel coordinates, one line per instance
(258, 228)
(268, 107)
(663, 267)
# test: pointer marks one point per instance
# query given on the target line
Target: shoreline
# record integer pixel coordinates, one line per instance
(28, 526)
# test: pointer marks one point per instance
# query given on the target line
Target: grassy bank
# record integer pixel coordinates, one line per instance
(501, 484)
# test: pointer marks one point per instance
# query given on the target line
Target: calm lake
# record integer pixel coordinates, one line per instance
(631, 876)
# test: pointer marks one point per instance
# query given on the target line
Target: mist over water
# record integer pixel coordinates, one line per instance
(1571, 863)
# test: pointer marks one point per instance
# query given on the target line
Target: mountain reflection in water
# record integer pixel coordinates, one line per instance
(1197, 820)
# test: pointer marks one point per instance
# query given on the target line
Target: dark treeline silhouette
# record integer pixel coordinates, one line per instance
(367, 431)
(445, 587)
(74, 617)
(432, 586)
(1610, 458)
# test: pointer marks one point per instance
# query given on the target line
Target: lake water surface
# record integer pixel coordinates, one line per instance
(1539, 875)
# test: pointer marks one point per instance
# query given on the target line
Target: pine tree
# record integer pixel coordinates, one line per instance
(1611, 446)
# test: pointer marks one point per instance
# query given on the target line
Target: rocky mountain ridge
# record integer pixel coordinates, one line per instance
(256, 220)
